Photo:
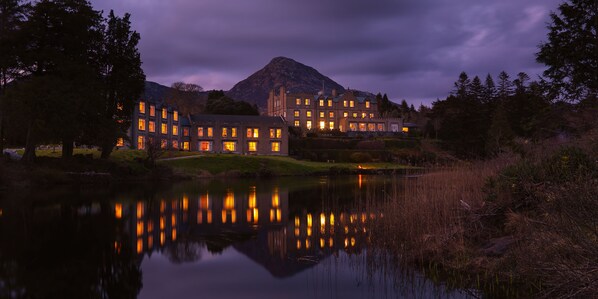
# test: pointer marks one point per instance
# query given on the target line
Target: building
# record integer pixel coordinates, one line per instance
(240, 134)
(346, 112)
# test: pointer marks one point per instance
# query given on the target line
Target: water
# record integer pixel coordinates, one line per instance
(279, 238)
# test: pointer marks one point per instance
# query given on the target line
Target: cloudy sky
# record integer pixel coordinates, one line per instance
(409, 49)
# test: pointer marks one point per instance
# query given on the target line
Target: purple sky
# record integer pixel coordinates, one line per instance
(411, 50)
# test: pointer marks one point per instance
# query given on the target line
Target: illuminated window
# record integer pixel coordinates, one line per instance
(275, 133)
(224, 132)
(164, 129)
(321, 103)
(175, 115)
(233, 132)
(276, 146)
(306, 102)
(229, 146)
(296, 113)
(371, 127)
(163, 143)
(371, 115)
(252, 146)
(142, 125)
(120, 106)
(362, 127)
(405, 129)
(175, 144)
(329, 103)
(175, 130)
(186, 145)
(322, 125)
(296, 123)
(142, 107)
(353, 126)
(331, 125)
(362, 114)
(331, 114)
(120, 142)
(205, 146)
(354, 115)
(164, 113)
(381, 127)
(185, 131)
(253, 133)
(345, 114)
(200, 132)
(298, 101)
(210, 132)
(152, 126)
(140, 142)
(322, 114)
(367, 104)
(351, 103)
(308, 113)
(308, 124)
(345, 103)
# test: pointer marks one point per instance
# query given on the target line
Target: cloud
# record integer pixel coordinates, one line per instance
(398, 47)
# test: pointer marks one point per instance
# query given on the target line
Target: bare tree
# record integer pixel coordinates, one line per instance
(154, 150)
(186, 97)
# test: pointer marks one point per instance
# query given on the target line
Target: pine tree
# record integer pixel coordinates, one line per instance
(489, 89)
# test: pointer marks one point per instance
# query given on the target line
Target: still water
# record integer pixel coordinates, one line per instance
(279, 238)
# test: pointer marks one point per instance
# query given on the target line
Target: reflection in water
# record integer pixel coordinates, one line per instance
(303, 231)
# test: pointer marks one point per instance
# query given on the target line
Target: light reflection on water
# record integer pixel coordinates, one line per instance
(252, 239)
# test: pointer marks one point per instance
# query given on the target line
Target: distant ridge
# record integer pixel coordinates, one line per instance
(295, 76)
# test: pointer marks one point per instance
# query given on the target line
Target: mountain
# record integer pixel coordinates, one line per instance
(295, 76)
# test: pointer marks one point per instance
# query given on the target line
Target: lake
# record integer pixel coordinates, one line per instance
(300, 237)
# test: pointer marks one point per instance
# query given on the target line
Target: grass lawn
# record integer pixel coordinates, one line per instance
(216, 164)
(117, 155)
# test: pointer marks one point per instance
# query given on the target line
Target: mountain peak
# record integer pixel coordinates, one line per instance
(281, 71)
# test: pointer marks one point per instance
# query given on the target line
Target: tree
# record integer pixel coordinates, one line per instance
(489, 89)
(521, 83)
(462, 86)
(500, 133)
(571, 52)
(505, 87)
(477, 89)
(185, 96)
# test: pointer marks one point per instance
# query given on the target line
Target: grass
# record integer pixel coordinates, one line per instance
(117, 155)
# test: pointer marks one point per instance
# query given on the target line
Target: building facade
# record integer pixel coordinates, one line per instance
(346, 112)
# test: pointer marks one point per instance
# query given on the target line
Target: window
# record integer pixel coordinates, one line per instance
(345, 103)
(120, 106)
(152, 126)
(394, 127)
(205, 146)
(354, 114)
(200, 132)
(233, 132)
(224, 132)
(296, 113)
(175, 144)
(330, 114)
(140, 142)
(275, 146)
(296, 124)
(351, 103)
(308, 113)
(322, 125)
(322, 114)
(405, 129)
(352, 126)
(185, 132)
(142, 107)
(175, 130)
(120, 142)
(329, 103)
(362, 127)
(164, 113)
(321, 103)
(142, 125)
(345, 114)
(362, 114)
(175, 115)
(367, 104)
(308, 124)
(371, 127)
(152, 110)
(306, 102)
(229, 146)
(380, 127)
(298, 101)
(252, 132)
(371, 115)
(331, 125)
(210, 132)
(275, 133)
(163, 143)
(252, 146)
(186, 145)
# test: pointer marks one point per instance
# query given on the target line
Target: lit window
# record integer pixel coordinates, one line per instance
(367, 104)
(252, 146)
(252, 132)
(345, 114)
(362, 127)
(140, 142)
(298, 101)
(233, 132)
(210, 131)
(371, 115)
(296, 123)
(142, 107)
(276, 146)
(345, 103)
(278, 133)
(329, 103)
(308, 124)
(371, 127)
(175, 116)
(186, 145)
(175, 130)
(308, 113)
(322, 114)
(152, 110)
(322, 125)
(362, 114)
(120, 142)
(152, 126)
(296, 113)
(120, 106)
(163, 143)
(205, 146)
(175, 144)
(331, 125)
(164, 113)
(185, 131)
(142, 125)
(405, 129)
(224, 132)
(306, 102)
(229, 146)
(321, 103)
(351, 104)
(200, 132)
(354, 114)
(381, 127)
(164, 129)
(353, 126)
(331, 114)
(275, 133)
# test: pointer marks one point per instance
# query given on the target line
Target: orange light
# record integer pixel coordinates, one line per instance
(297, 221)
(233, 216)
(139, 209)
(309, 220)
(275, 198)
(229, 201)
(139, 245)
(298, 244)
(255, 215)
(297, 232)
(118, 211)
(307, 244)
(139, 228)
(150, 242)
(252, 198)
(162, 238)
(173, 219)
(278, 215)
(204, 202)
(185, 202)
(322, 243)
(162, 206)
(330, 242)
(331, 219)
(352, 242)
(223, 216)
(174, 234)
(209, 217)
(199, 217)
(162, 223)
(249, 215)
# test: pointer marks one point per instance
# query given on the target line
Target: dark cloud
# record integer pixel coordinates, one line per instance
(411, 50)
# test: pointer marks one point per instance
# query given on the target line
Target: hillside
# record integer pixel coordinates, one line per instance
(295, 76)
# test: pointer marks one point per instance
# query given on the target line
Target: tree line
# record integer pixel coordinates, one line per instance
(68, 74)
